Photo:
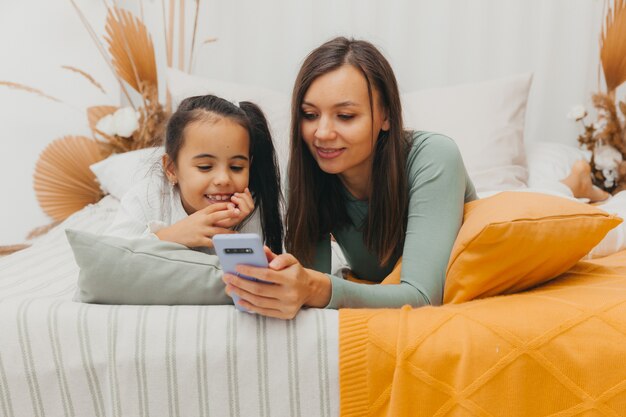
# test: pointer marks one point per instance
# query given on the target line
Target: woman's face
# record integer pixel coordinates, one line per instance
(337, 124)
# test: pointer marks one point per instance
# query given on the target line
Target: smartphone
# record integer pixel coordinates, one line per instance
(240, 249)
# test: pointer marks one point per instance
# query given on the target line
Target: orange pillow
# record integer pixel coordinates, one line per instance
(515, 240)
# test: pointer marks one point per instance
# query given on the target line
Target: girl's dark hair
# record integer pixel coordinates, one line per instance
(316, 203)
(264, 181)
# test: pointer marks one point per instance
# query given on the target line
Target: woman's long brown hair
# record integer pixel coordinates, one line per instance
(316, 204)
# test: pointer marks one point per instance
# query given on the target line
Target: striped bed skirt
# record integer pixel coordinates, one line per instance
(63, 358)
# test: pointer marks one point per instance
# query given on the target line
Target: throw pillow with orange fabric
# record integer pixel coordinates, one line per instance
(513, 241)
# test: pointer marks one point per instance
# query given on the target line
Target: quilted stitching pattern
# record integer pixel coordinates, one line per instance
(559, 350)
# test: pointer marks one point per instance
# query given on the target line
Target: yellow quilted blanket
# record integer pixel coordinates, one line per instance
(558, 350)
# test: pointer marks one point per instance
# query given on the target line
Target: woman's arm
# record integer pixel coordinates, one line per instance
(438, 185)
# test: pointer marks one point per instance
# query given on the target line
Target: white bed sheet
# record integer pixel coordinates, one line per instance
(62, 358)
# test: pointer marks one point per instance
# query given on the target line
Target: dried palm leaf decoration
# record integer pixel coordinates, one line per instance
(133, 59)
(63, 181)
(132, 51)
(613, 46)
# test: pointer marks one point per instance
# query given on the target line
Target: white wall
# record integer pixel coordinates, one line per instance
(429, 43)
(37, 38)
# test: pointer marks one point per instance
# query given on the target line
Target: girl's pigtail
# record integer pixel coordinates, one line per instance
(265, 176)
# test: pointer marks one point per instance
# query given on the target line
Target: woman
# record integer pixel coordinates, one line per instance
(355, 173)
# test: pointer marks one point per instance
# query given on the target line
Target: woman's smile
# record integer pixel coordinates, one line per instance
(329, 153)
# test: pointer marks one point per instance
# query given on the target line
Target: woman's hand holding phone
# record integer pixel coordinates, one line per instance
(294, 287)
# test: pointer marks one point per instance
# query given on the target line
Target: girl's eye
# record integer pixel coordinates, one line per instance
(308, 115)
(204, 167)
(346, 116)
(236, 169)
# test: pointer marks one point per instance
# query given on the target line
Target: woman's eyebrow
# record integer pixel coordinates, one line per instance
(347, 103)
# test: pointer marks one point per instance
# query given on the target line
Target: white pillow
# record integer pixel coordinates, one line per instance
(550, 162)
(486, 120)
(275, 105)
(119, 172)
(615, 240)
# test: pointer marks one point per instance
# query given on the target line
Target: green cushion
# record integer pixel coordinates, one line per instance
(115, 270)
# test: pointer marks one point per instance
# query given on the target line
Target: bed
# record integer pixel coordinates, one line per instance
(557, 350)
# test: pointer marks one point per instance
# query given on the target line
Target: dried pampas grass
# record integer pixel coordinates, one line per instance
(7, 250)
(29, 90)
(193, 35)
(611, 133)
(87, 76)
(613, 46)
(42, 230)
(181, 35)
(100, 49)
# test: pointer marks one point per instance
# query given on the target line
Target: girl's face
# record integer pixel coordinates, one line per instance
(213, 163)
(337, 124)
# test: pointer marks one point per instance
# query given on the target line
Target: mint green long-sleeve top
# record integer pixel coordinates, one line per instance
(438, 187)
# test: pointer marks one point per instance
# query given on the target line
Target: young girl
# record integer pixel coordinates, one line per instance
(220, 175)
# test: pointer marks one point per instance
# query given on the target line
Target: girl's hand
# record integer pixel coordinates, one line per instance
(293, 287)
(245, 204)
(198, 229)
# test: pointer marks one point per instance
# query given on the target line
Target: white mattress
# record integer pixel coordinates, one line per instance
(62, 358)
